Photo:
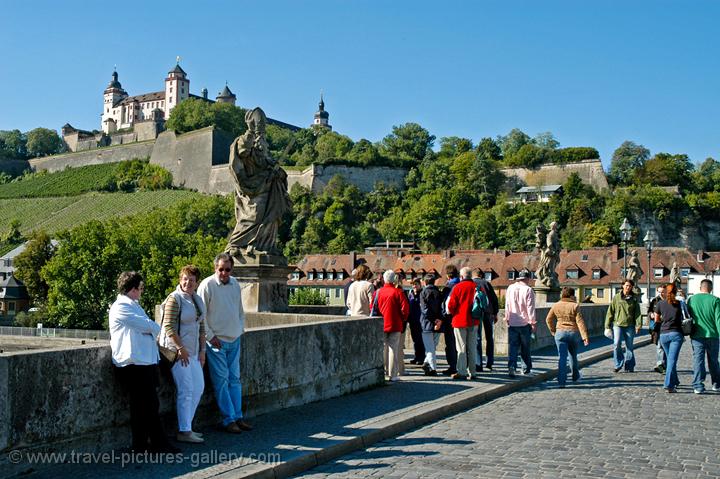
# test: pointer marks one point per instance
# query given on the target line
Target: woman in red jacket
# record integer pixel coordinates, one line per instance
(394, 308)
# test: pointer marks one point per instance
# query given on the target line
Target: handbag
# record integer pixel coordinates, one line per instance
(687, 322)
(168, 356)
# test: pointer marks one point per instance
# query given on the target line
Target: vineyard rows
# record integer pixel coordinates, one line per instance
(58, 213)
(69, 182)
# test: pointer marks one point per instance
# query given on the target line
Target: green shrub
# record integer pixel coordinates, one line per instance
(308, 296)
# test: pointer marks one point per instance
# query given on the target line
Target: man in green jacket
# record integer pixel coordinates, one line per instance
(623, 316)
(705, 339)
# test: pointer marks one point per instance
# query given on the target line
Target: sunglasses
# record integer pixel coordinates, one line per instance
(226, 270)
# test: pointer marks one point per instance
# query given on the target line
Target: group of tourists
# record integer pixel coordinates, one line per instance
(199, 323)
(671, 318)
(468, 306)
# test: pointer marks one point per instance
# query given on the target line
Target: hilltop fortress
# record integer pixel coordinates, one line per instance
(134, 127)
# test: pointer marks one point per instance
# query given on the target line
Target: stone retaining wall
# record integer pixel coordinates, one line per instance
(68, 398)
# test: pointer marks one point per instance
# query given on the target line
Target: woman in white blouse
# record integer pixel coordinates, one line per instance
(135, 356)
(359, 298)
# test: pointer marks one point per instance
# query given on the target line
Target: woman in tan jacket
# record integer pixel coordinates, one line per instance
(567, 325)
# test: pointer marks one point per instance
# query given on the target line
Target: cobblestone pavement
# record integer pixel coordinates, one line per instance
(607, 425)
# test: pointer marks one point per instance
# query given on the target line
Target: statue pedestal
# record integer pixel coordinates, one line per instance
(263, 279)
(545, 295)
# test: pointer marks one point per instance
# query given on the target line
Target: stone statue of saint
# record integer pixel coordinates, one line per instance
(675, 274)
(540, 238)
(633, 268)
(261, 192)
(549, 257)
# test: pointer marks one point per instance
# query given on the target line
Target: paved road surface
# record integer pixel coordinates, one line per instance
(608, 425)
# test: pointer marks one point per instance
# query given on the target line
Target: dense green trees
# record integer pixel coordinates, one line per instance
(43, 142)
(15, 145)
(194, 113)
(81, 273)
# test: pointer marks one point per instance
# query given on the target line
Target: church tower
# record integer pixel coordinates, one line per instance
(226, 96)
(321, 116)
(177, 88)
(112, 94)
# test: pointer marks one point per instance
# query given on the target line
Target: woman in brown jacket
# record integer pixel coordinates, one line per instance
(567, 325)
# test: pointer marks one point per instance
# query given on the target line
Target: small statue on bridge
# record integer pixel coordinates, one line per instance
(549, 246)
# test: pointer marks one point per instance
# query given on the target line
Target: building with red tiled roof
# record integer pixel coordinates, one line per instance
(595, 273)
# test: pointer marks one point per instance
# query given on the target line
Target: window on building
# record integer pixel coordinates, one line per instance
(511, 275)
(600, 293)
(488, 276)
(653, 291)
(596, 274)
(572, 274)
(311, 275)
(337, 292)
(296, 275)
(170, 100)
(321, 275)
(341, 275)
(11, 306)
(584, 257)
(659, 272)
(684, 272)
(182, 90)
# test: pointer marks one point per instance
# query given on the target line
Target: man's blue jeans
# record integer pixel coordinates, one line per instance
(702, 347)
(671, 343)
(626, 334)
(567, 342)
(519, 339)
(224, 366)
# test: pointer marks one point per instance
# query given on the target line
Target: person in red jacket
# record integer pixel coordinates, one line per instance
(464, 326)
(394, 308)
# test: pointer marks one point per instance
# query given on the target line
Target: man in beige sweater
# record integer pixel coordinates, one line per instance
(224, 325)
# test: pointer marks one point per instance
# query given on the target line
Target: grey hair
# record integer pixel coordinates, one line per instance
(389, 276)
(223, 257)
(466, 272)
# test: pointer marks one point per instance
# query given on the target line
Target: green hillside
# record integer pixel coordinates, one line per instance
(57, 213)
(69, 182)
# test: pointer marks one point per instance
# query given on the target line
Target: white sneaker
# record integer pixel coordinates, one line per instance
(394, 379)
(698, 391)
(716, 388)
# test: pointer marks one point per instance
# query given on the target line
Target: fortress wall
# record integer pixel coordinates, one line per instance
(197, 160)
(590, 171)
(69, 398)
(93, 157)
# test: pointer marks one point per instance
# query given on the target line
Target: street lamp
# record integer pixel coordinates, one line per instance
(650, 239)
(625, 234)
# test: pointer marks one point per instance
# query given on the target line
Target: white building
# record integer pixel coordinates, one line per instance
(121, 111)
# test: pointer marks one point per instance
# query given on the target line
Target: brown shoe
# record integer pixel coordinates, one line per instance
(233, 428)
(457, 376)
(243, 425)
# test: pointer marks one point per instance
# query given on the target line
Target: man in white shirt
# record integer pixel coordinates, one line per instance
(133, 338)
(224, 325)
(520, 317)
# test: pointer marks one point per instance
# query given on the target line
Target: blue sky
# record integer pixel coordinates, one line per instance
(595, 73)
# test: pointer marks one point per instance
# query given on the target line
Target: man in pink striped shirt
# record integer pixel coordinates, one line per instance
(520, 318)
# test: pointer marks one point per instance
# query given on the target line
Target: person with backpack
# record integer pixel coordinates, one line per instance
(414, 322)
(183, 331)
(466, 304)
(488, 322)
(567, 325)
(451, 273)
